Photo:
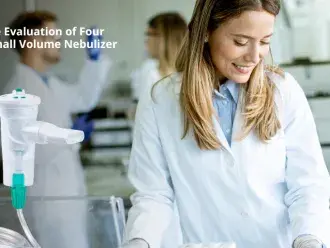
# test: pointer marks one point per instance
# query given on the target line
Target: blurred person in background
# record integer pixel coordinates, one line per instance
(58, 169)
(164, 34)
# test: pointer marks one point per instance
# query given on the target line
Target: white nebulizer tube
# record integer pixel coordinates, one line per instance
(26, 229)
(20, 131)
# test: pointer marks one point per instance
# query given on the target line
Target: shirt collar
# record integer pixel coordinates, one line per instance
(232, 87)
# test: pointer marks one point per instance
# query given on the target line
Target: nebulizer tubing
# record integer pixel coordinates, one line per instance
(10, 238)
(19, 208)
(26, 229)
(21, 203)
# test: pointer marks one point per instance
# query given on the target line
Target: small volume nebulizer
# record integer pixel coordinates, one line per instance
(20, 131)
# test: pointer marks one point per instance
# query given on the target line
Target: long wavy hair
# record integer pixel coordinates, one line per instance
(199, 76)
(171, 27)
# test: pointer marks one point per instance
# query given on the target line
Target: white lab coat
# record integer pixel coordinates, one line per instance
(248, 193)
(144, 77)
(58, 170)
(142, 80)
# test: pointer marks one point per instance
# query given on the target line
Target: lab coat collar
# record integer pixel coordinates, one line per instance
(43, 76)
(234, 89)
(27, 77)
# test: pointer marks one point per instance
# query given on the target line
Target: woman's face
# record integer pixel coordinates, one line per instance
(152, 42)
(240, 44)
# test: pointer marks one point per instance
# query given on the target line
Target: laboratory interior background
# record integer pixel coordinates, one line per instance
(301, 46)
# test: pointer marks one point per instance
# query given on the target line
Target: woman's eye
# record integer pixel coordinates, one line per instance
(265, 42)
(240, 43)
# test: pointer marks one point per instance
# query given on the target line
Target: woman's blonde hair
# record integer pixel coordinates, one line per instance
(199, 76)
(171, 27)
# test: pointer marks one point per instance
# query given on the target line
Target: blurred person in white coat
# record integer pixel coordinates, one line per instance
(58, 169)
(231, 140)
(164, 35)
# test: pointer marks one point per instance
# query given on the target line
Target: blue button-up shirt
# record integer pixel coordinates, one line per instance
(225, 102)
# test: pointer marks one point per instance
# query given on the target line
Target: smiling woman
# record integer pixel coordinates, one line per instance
(238, 46)
(229, 139)
(235, 44)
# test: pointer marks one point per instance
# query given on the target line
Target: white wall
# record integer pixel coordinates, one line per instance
(281, 43)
